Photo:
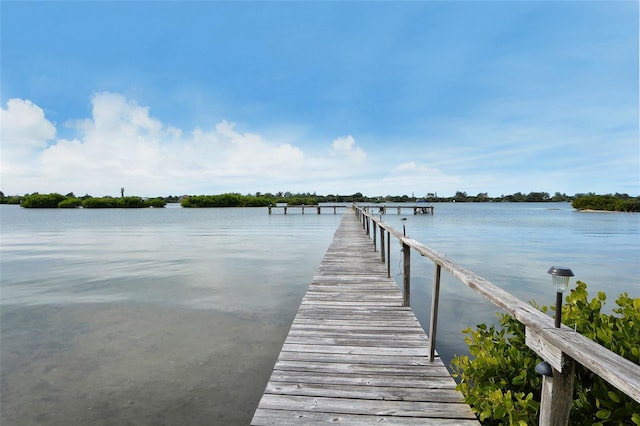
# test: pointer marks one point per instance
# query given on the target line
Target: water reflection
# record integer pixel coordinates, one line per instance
(133, 364)
(148, 317)
(177, 315)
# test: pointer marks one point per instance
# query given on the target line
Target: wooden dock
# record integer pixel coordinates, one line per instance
(317, 208)
(354, 354)
(374, 208)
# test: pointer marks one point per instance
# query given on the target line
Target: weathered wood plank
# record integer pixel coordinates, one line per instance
(360, 337)
(311, 311)
(356, 350)
(421, 382)
(620, 372)
(387, 393)
(354, 354)
(359, 368)
(351, 341)
(413, 381)
(344, 328)
(362, 359)
(291, 417)
(368, 406)
(392, 322)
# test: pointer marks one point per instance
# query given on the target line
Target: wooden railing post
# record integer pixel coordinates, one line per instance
(433, 326)
(557, 389)
(388, 254)
(406, 275)
(375, 235)
(382, 244)
(556, 396)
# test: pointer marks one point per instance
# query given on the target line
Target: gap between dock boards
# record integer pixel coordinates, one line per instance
(354, 354)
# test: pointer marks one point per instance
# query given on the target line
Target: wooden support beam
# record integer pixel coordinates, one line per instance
(375, 236)
(382, 249)
(545, 350)
(556, 397)
(388, 254)
(406, 275)
(433, 326)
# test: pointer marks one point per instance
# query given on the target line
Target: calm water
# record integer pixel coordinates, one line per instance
(167, 316)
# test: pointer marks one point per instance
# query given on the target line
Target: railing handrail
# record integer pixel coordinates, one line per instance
(615, 369)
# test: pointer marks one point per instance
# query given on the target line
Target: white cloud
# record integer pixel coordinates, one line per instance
(405, 167)
(121, 144)
(23, 131)
(345, 147)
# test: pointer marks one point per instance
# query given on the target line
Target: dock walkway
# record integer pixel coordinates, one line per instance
(354, 354)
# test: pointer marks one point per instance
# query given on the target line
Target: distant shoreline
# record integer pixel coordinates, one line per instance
(601, 211)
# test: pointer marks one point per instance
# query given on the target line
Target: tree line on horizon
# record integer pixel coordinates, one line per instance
(70, 201)
(609, 202)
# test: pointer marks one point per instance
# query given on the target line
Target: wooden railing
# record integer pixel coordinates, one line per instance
(560, 347)
(317, 208)
(380, 208)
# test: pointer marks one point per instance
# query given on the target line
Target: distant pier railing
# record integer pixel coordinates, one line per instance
(377, 208)
(560, 347)
(317, 208)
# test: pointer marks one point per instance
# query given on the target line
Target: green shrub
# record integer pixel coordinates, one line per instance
(132, 202)
(606, 203)
(42, 201)
(155, 202)
(13, 199)
(628, 205)
(225, 200)
(70, 203)
(500, 383)
(256, 202)
(595, 401)
(298, 201)
(102, 203)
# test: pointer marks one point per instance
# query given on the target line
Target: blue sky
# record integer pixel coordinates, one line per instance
(328, 97)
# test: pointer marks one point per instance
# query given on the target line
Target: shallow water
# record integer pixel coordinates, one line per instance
(513, 245)
(160, 316)
(170, 316)
(133, 364)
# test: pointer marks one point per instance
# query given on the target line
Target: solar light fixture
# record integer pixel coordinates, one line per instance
(544, 369)
(404, 230)
(560, 276)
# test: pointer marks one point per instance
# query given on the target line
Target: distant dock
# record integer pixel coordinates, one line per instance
(373, 208)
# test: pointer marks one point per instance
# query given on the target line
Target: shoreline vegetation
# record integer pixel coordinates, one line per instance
(582, 202)
(499, 379)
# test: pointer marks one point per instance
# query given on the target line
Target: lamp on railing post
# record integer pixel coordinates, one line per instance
(404, 230)
(556, 393)
(560, 277)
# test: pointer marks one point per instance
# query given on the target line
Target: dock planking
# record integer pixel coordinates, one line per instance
(354, 354)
